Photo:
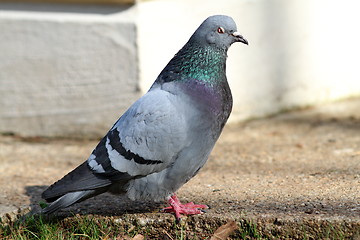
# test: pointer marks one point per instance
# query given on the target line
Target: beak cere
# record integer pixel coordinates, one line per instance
(239, 38)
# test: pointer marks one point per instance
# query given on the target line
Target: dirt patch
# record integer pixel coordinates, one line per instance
(295, 169)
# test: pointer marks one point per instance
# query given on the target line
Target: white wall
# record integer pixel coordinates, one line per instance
(301, 52)
(71, 70)
(65, 70)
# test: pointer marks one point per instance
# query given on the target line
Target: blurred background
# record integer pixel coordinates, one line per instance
(70, 68)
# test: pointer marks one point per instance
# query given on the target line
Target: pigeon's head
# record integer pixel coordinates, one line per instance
(218, 31)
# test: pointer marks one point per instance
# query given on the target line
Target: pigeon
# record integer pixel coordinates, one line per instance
(166, 136)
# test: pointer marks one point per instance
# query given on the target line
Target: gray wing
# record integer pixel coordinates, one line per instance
(146, 139)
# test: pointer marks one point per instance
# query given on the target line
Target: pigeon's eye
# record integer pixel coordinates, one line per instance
(220, 30)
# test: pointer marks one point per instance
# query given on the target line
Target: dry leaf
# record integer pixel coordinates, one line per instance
(224, 231)
(138, 237)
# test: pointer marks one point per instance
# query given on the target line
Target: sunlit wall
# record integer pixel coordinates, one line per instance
(301, 52)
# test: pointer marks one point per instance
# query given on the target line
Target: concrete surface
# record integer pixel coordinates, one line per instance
(298, 171)
(72, 69)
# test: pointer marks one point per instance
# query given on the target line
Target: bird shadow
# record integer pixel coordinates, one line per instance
(105, 204)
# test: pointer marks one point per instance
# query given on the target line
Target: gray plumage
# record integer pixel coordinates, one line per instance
(166, 136)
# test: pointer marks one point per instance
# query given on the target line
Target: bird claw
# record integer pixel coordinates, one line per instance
(186, 209)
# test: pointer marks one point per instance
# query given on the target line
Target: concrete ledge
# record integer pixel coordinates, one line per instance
(65, 74)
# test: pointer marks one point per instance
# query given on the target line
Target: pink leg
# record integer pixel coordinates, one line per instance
(187, 209)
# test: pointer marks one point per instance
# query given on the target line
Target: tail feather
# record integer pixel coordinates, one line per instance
(81, 179)
(69, 199)
(76, 186)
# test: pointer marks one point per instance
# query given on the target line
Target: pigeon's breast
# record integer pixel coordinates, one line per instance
(211, 102)
(203, 96)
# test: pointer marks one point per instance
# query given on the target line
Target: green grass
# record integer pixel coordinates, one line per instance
(39, 227)
(90, 227)
(248, 230)
(97, 227)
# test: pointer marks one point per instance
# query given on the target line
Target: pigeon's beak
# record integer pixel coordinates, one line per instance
(239, 38)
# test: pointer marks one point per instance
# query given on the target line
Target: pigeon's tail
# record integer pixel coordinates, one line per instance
(69, 199)
(76, 186)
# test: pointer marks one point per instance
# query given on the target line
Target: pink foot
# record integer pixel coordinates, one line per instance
(187, 208)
